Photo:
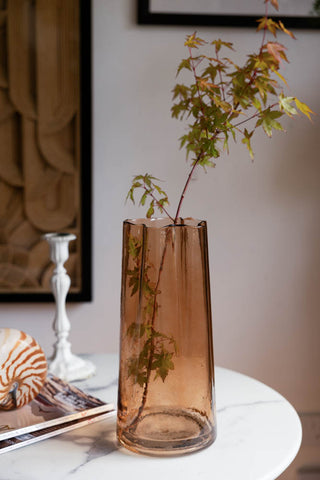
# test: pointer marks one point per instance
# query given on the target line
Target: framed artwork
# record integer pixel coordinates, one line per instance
(45, 144)
(293, 13)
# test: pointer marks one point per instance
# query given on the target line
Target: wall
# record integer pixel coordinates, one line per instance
(263, 218)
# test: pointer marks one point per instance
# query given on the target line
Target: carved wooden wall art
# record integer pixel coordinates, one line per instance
(45, 145)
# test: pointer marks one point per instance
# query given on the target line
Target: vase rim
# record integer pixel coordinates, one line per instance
(165, 222)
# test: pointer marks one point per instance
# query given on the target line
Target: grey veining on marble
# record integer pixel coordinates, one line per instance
(259, 434)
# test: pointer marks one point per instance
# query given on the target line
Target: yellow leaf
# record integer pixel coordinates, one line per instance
(303, 108)
(279, 75)
(203, 84)
(274, 3)
(192, 41)
(285, 30)
(268, 23)
(262, 23)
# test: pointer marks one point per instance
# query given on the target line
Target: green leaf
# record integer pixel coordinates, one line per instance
(162, 364)
(151, 190)
(150, 211)
(268, 121)
(208, 146)
(256, 103)
(219, 43)
(136, 330)
(178, 110)
(147, 180)
(180, 90)
(185, 63)
(247, 141)
(135, 287)
(143, 198)
(135, 371)
(134, 246)
(211, 71)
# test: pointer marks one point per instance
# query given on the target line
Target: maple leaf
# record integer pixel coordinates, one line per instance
(185, 63)
(277, 51)
(285, 30)
(163, 364)
(227, 107)
(269, 122)
(246, 140)
(150, 211)
(274, 3)
(204, 84)
(219, 43)
(268, 23)
(192, 41)
(303, 108)
(285, 105)
(279, 75)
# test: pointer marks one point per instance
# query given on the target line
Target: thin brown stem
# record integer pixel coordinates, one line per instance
(185, 187)
(197, 85)
(220, 77)
(151, 356)
(265, 28)
(200, 154)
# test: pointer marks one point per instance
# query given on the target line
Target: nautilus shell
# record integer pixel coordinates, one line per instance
(23, 368)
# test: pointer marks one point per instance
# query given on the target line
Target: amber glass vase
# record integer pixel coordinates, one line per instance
(166, 403)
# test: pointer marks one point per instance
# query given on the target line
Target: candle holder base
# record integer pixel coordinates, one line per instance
(70, 367)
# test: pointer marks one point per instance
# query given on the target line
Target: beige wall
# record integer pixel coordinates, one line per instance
(264, 218)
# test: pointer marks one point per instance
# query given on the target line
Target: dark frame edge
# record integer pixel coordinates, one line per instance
(85, 152)
(145, 17)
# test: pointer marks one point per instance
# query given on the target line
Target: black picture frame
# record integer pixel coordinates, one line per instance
(145, 16)
(86, 151)
(84, 293)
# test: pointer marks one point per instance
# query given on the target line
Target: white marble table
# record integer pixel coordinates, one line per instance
(259, 434)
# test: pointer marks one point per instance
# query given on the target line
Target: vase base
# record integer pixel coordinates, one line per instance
(168, 432)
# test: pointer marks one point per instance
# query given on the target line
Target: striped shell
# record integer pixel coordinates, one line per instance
(23, 368)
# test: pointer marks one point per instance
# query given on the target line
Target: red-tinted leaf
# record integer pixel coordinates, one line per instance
(276, 50)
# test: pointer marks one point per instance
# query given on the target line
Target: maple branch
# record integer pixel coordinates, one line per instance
(220, 76)
(265, 28)
(161, 207)
(252, 116)
(186, 186)
(151, 355)
(197, 86)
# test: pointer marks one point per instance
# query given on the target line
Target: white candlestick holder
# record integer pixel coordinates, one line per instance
(63, 363)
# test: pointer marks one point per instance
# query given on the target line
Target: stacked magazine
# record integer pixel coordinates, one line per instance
(58, 408)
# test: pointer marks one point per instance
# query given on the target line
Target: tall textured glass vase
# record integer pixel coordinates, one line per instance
(166, 403)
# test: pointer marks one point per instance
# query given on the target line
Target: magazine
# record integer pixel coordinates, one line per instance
(44, 433)
(57, 404)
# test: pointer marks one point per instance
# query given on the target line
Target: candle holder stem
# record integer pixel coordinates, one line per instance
(64, 363)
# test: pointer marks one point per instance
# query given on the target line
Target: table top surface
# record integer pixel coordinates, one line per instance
(259, 434)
